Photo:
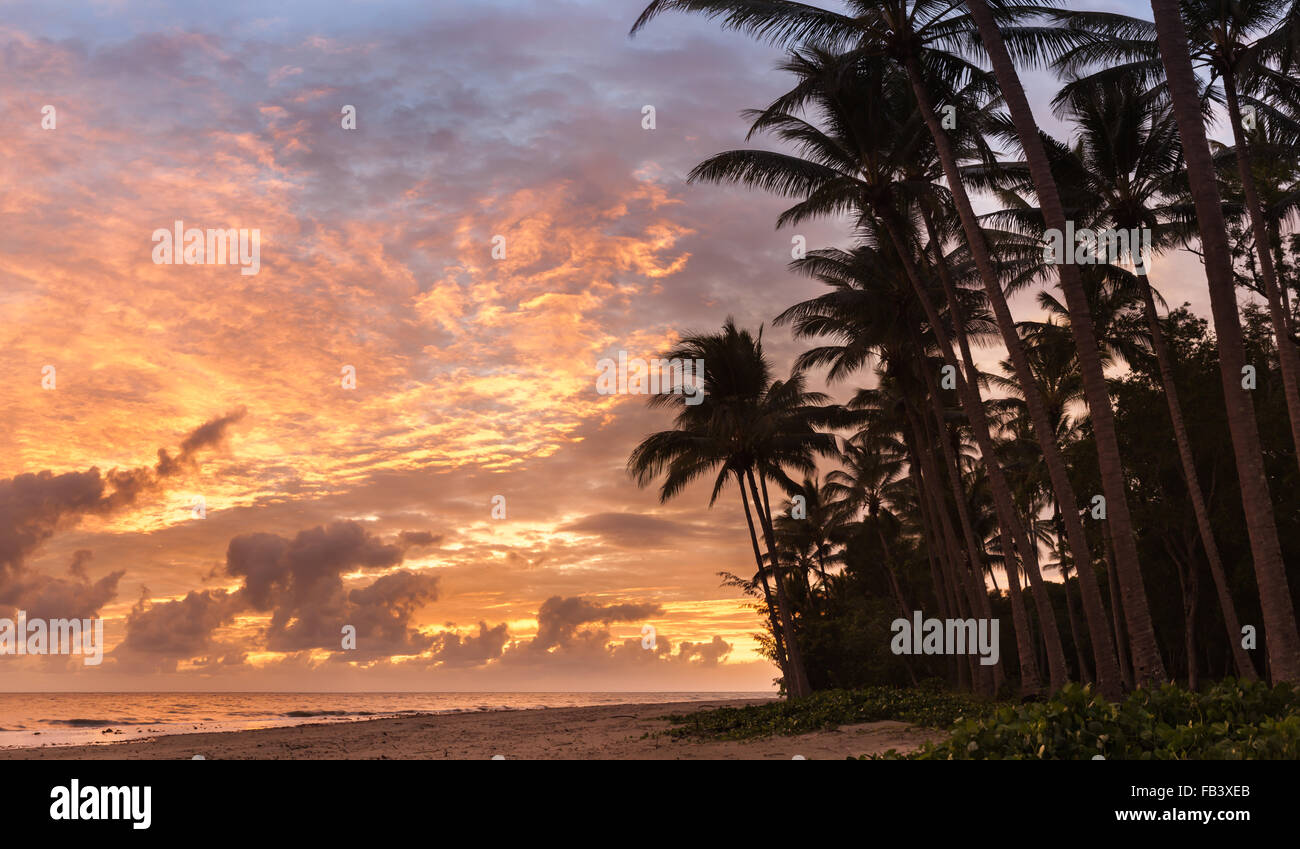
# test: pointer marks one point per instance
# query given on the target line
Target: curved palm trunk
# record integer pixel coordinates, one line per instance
(781, 659)
(894, 586)
(798, 686)
(887, 565)
(943, 594)
(1085, 674)
(973, 406)
(963, 574)
(1030, 683)
(1287, 355)
(1117, 610)
(1245, 668)
(1103, 648)
(951, 563)
(975, 571)
(944, 590)
(1279, 264)
(1274, 592)
(1188, 588)
(1151, 668)
(936, 574)
(930, 474)
(973, 558)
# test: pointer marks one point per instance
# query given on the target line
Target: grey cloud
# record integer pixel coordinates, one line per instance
(559, 618)
(709, 654)
(299, 581)
(207, 435)
(383, 611)
(35, 506)
(414, 539)
(473, 650)
(160, 635)
(77, 597)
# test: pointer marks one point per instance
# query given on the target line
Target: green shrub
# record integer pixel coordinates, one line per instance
(1231, 721)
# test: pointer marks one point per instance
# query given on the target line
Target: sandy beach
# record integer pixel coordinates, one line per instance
(606, 732)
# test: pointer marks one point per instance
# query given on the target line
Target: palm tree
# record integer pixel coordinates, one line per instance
(1276, 167)
(1283, 640)
(811, 527)
(863, 164)
(681, 456)
(895, 407)
(873, 155)
(872, 312)
(871, 464)
(1148, 664)
(915, 35)
(1121, 173)
(749, 427)
(1237, 43)
(1051, 354)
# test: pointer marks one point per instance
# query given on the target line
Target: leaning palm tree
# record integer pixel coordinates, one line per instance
(1270, 574)
(871, 313)
(751, 428)
(1275, 163)
(1146, 653)
(918, 36)
(681, 456)
(865, 161)
(1122, 173)
(1056, 375)
(1244, 46)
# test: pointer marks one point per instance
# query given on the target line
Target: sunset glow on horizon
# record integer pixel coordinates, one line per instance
(288, 504)
(474, 376)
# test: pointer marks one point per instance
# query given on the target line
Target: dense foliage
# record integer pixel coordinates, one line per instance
(846, 639)
(1146, 457)
(1230, 721)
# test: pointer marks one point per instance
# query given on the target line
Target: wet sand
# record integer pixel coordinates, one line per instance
(605, 732)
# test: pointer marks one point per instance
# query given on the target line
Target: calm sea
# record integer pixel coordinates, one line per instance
(62, 719)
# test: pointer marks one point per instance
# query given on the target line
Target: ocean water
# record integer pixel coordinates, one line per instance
(65, 719)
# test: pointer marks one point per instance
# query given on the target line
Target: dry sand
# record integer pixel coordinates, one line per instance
(611, 732)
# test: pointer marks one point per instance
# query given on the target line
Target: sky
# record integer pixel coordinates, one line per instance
(178, 387)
